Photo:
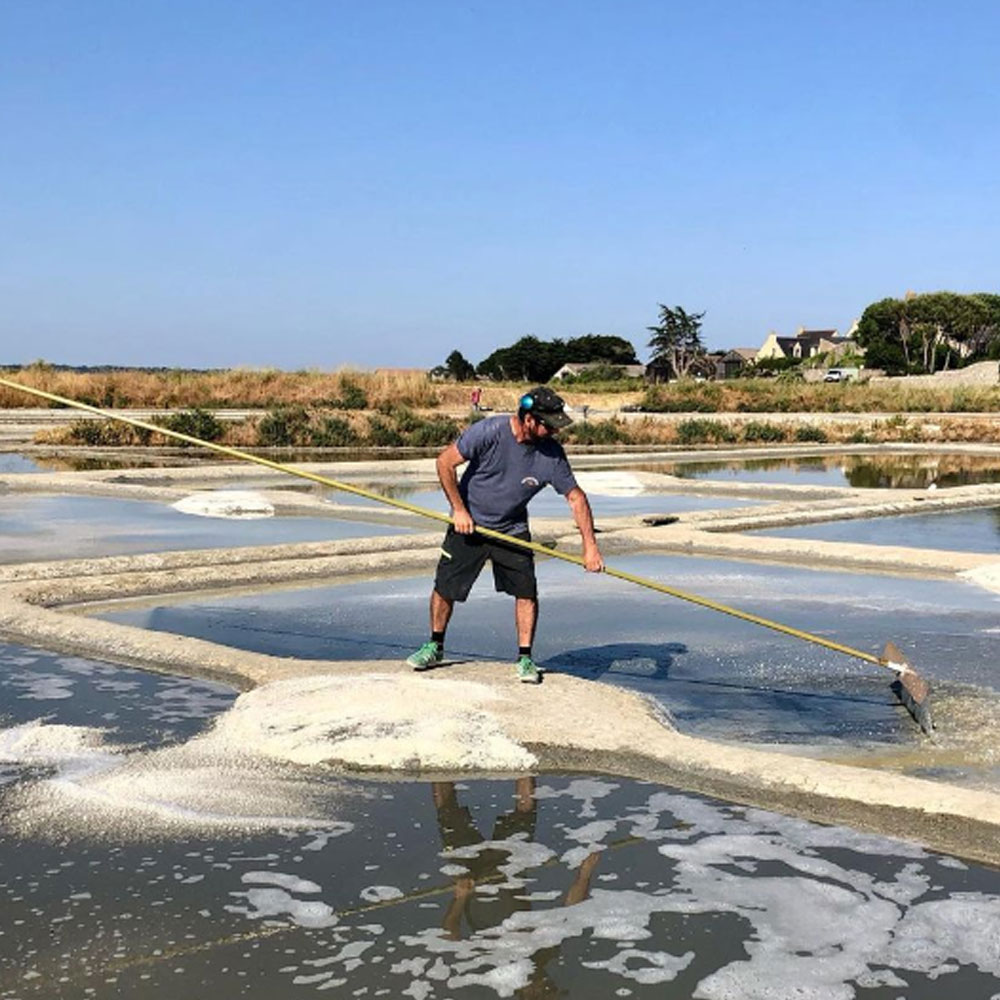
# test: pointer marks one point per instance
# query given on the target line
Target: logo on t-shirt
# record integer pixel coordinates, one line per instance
(529, 481)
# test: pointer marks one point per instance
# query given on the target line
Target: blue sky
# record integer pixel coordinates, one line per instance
(321, 183)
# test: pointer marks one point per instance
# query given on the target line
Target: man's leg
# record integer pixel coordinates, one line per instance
(462, 558)
(526, 618)
(431, 653)
(441, 609)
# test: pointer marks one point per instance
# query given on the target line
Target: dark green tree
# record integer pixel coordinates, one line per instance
(527, 360)
(677, 338)
(599, 347)
(458, 368)
(930, 332)
(534, 360)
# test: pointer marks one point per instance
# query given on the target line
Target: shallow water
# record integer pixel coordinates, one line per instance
(11, 462)
(551, 885)
(548, 503)
(882, 471)
(59, 527)
(975, 530)
(717, 676)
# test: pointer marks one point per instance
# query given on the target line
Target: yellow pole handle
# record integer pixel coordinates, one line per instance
(423, 511)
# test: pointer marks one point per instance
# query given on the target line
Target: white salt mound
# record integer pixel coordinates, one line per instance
(239, 504)
(378, 720)
(986, 576)
(610, 484)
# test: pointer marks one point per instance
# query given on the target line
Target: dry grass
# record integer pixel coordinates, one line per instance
(237, 388)
(777, 396)
(265, 389)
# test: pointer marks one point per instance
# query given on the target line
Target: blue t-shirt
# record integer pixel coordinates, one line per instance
(503, 475)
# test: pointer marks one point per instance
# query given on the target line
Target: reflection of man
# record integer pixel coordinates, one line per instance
(458, 830)
(510, 458)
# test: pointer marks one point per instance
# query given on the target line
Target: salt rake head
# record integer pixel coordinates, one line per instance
(910, 688)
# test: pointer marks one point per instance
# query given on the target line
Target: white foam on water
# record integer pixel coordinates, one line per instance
(43, 687)
(585, 790)
(236, 504)
(290, 882)
(381, 893)
(658, 967)
(820, 929)
(964, 928)
(522, 855)
(278, 902)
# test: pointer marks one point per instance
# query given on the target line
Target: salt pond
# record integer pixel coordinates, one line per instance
(143, 852)
(886, 470)
(38, 527)
(12, 462)
(549, 504)
(717, 676)
(576, 885)
(976, 530)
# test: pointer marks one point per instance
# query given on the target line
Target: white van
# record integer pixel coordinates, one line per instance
(840, 374)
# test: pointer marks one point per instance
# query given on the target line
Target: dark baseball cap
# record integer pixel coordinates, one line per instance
(547, 406)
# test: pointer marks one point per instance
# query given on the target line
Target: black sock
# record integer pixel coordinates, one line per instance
(524, 651)
(438, 637)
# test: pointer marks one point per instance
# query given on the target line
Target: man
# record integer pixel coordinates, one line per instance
(510, 458)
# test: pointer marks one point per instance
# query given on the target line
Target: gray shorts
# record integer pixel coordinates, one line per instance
(462, 559)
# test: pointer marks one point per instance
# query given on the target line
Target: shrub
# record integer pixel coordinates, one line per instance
(809, 432)
(761, 430)
(284, 427)
(698, 431)
(683, 396)
(195, 423)
(334, 432)
(598, 432)
(107, 433)
(352, 397)
(383, 434)
(436, 432)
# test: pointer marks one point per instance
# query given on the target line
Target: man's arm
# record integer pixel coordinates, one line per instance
(448, 462)
(580, 505)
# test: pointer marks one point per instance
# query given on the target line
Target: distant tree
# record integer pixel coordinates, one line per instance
(527, 360)
(534, 360)
(929, 332)
(458, 368)
(676, 339)
(599, 347)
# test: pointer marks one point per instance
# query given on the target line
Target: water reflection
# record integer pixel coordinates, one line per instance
(485, 894)
(888, 471)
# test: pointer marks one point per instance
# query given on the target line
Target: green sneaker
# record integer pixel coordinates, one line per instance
(429, 655)
(527, 671)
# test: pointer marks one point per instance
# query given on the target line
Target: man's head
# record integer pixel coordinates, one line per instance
(545, 407)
